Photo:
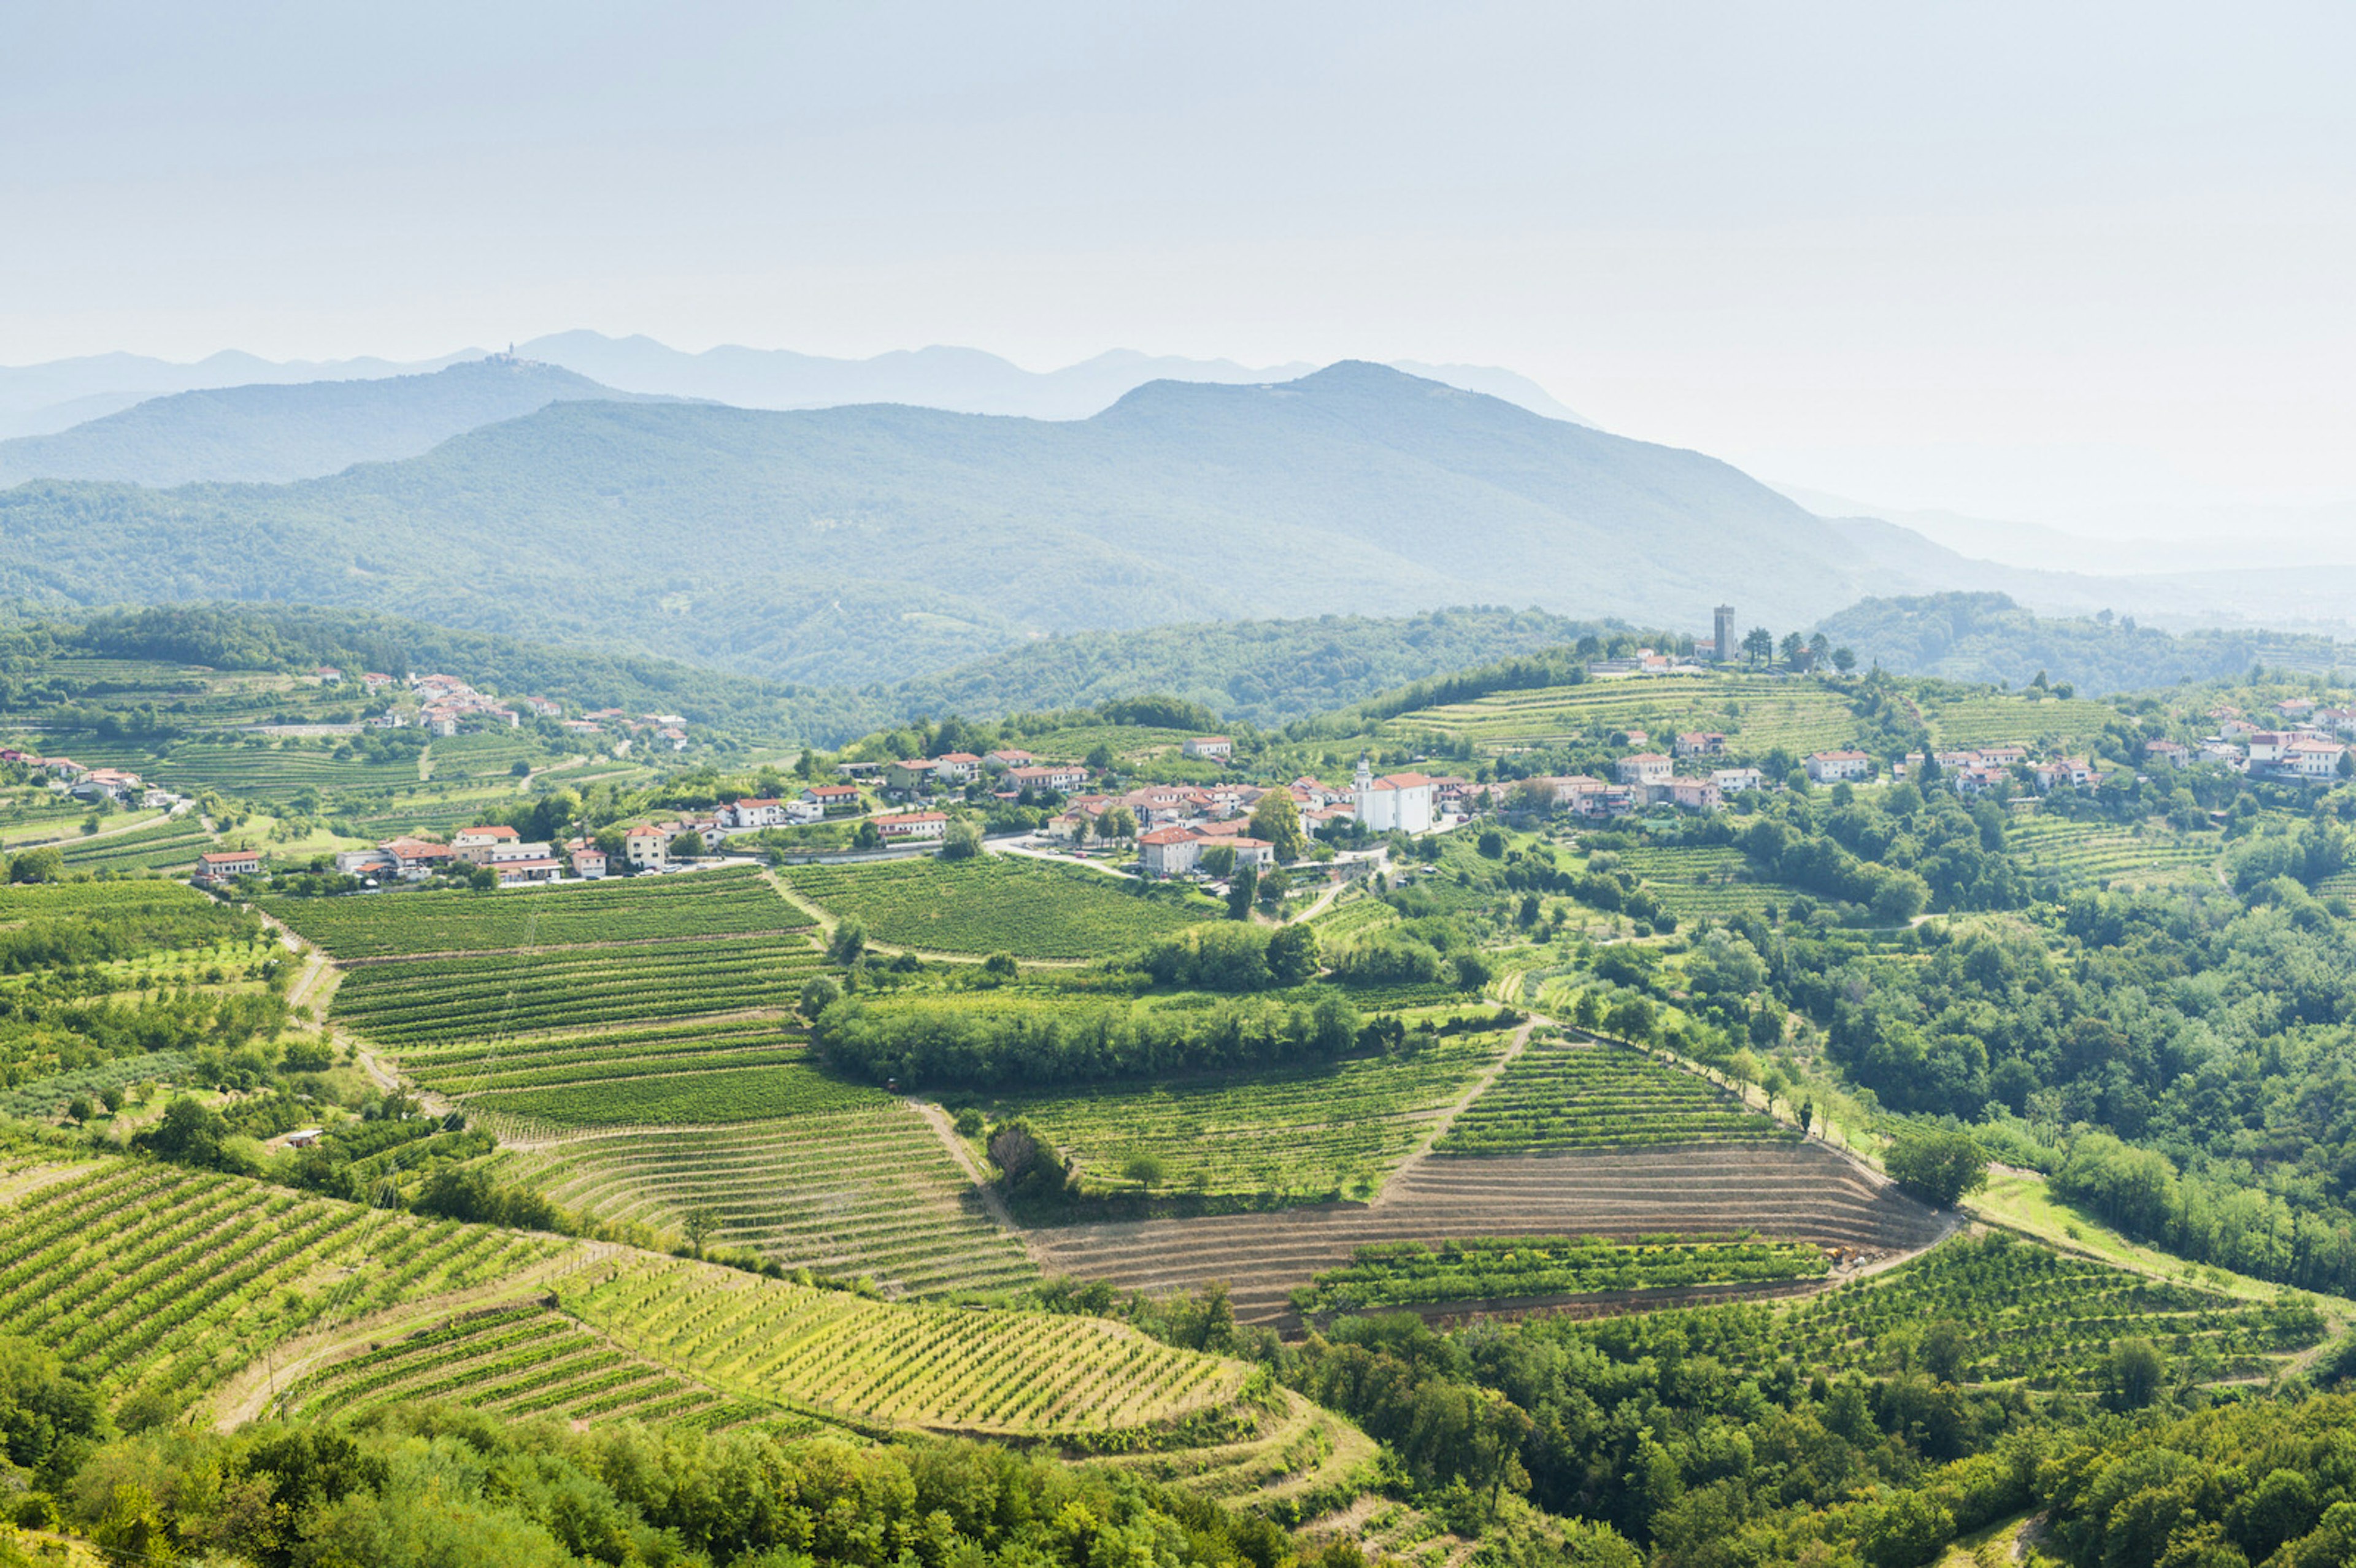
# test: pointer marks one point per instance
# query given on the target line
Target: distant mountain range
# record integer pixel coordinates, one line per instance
(877, 543)
(42, 399)
(276, 433)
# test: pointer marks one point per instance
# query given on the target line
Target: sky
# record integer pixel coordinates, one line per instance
(2084, 265)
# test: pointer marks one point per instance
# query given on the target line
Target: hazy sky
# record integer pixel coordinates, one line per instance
(2071, 263)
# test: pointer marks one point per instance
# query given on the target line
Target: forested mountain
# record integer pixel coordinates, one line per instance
(863, 544)
(270, 433)
(1988, 638)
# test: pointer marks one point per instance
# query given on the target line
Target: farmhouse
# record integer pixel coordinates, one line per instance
(414, 860)
(474, 844)
(1257, 853)
(1734, 781)
(1061, 777)
(1007, 757)
(955, 767)
(1209, 748)
(588, 860)
(832, 797)
(2167, 752)
(1694, 795)
(2064, 772)
(1831, 767)
(753, 814)
(912, 825)
(1701, 744)
(226, 864)
(2313, 759)
(910, 775)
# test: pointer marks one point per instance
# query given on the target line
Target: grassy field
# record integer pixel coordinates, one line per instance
(733, 901)
(1757, 715)
(998, 903)
(2083, 854)
(1301, 1132)
(867, 1191)
(1577, 1097)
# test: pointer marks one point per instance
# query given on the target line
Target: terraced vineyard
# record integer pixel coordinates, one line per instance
(481, 756)
(702, 1098)
(861, 1191)
(997, 904)
(2083, 854)
(1998, 721)
(150, 1275)
(271, 769)
(1798, 1192)
(1352, 917)
(1696, 880)
(1301, 1131)
(938, 1369)
(735, 900)
(163, 846)
(1577, 1097)
(520, 1359)
(1757, 715)
(428, 999)
(559, 1061)
(2023, 1312)
(1402, 1273)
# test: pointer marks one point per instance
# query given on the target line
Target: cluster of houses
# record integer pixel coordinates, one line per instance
(69, 777)
(2307, 741)
(445, 704)
(1013, 770)
(515, 860)
(1180, 824)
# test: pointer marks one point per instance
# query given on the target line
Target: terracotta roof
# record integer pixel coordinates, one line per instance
(215, 859)
(1168, 835)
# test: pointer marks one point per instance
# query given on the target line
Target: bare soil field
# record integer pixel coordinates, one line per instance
(1800, 1191)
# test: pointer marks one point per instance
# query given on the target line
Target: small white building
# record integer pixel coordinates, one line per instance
(647, 847)
(1835, 767)
(1170, 851)
(1209, 749)
(912, 826)
(229, 864)
(1734, 781)
(1646, 769)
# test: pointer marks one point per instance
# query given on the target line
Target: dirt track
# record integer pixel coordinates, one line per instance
(1801, 1191)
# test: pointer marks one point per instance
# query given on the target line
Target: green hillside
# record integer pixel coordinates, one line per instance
(860, 544)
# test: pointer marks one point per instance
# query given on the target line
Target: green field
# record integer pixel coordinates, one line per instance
(489, 755)
(1576, 1096)
(861, 1191)
(174, 842)
(485, 995)
(1296, 1133)
(1756, 714)
(997, 904)
(1409, 1274)
(153, 1277)
(737, 900)
(2081, 854)
(536, 1061)
(713, 1095)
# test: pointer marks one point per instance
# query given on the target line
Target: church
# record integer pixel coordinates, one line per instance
(1396, 803)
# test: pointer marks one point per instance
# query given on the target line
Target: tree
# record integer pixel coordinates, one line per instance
(963, 841)
(1844, 659)
(37, 866)
(1938, 1165)
(1794, 649)
(1146, 1169)
(1001, 967)
(1100, 758)
(1241, 892)
(868, 836)
(1293, 955)
(1081, 827)
(1759, 645)
(1118, 824)
(1276, 820)
(848, 944)
(684, 845)
(1820, 649)
(2134, 1373)
(78, 1110)
(698, 1224)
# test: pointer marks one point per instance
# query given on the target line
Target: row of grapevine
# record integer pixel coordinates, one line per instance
(997, 904)
(734, 901)
(1559, 1096)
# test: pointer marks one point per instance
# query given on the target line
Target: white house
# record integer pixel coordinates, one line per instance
(228, 864)
(588, 860)
(755, 814)
(909, 826)
(1831, 767)
(1168, 852)
(1061, 777)
(647, 847)
(1646, 768)
(2313, 759)
(1734, 781)
(476, 845)
(832, 797)
(1209, 748)
(1396, 803)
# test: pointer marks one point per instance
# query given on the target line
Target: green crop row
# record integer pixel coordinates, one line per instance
(1559, 1096)
(997, 904)
(733, 901)
(1409, 1274)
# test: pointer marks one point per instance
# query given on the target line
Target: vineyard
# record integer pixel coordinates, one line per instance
(153, 1276)
(2084, 854)
(272, 769)
(1567, 1096)
(859, 1191)
(706, 1097)
(997, 904)
(518, 1360)
(42, 1098)
(2022, 1312)
(539, 1062)
(2071, 725)
(1298, 1132)
(842, 1358)
(173, 842)
(1702, 881)
(734, 902)
(429, 999)
(487, 756)
(1757, 716)
(1402, 1273)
